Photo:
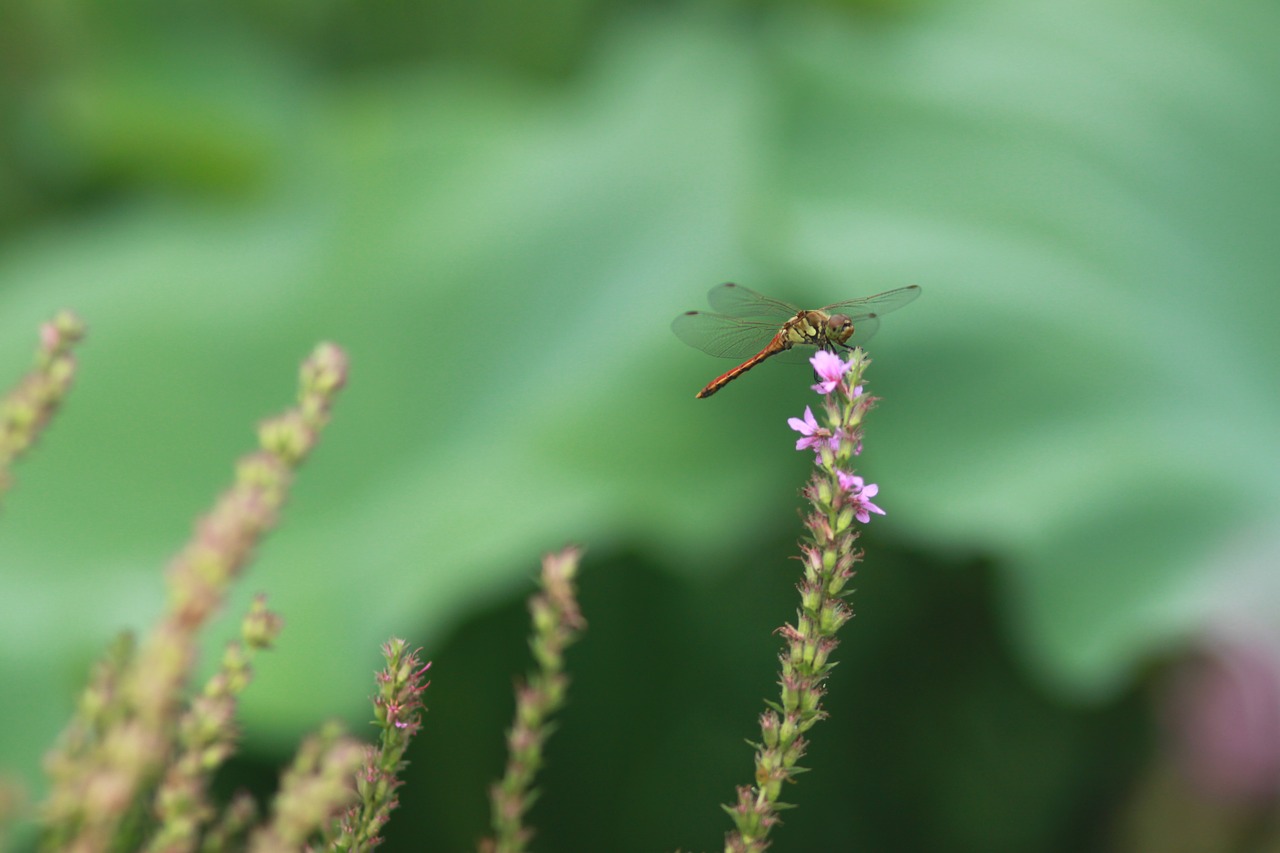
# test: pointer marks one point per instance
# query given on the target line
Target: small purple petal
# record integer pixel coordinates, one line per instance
(814, 435)
(851, 483)
(860, 494)
(830, 369)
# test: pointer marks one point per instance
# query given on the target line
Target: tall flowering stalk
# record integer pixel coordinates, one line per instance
(126, 729)
(207, 737)
(314, 791)
(26, 411)
(557, 622)
(398, 711)
(838, 498)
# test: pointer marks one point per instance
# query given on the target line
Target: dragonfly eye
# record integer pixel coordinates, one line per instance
(840, 327)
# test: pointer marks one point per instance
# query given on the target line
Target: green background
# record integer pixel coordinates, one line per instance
(497, 211)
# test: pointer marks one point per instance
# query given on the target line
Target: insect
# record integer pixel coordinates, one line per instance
(754, 327)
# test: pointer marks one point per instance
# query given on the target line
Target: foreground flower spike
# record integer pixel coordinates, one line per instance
(13, 802)
(557, 622)
(837, 497)
(313, 792)
(207, 737)
(26, 411)
(99, 792)
(398, 710)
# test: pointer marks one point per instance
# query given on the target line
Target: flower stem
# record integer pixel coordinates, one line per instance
(837, 498)
(557, 622)
(110, 759)
(398, 710)
(314, 790)
(207, 737)
(26, 411)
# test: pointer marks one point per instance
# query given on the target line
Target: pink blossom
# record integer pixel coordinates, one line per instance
(830, 369)
(860, 495)
(815, 436)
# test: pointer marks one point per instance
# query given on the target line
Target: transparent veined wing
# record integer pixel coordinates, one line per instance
(734, 300)
(722, 336)
(874, 306)
(865, 313)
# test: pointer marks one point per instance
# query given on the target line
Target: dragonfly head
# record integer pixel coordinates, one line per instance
(839, 328)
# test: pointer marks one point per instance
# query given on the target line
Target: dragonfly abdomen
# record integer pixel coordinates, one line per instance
(775, 346)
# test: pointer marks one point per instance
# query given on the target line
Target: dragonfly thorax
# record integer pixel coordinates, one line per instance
(817, 329)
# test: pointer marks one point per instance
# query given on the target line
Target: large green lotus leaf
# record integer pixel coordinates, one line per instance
(1085, 389)
(1088, 388)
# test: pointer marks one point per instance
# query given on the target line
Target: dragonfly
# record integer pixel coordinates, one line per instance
(748, 325)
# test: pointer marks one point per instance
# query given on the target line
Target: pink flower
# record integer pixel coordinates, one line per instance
(860, 495)
(815, 436)
(831, 370)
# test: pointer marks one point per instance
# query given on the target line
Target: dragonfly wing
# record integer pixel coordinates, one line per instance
(875, 306)
(721, 336)
(734, 300)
